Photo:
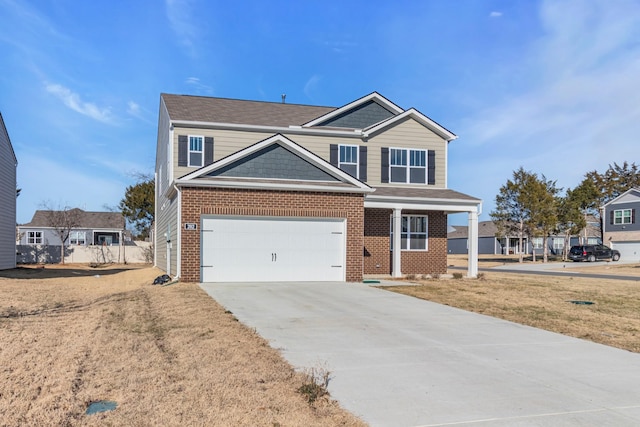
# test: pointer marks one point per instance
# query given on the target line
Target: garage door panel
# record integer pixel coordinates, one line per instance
(629, 251)
(272, 249)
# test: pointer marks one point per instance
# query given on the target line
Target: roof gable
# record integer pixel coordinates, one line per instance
(274, 159)
(416, 115)
(4, 136)
(361, 110)
(630, 196)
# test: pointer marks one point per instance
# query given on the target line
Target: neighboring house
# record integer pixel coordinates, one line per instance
(620, 225)
(261, 191)
(8, 167)
(39, 241)
(490, 241)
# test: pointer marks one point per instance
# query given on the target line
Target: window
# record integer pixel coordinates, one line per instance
(408, 166)
(34, 237)
(558, 243)
(593, 241)
(348, 159)
(413, 235)
(195, 150)
(536, 242)
(622, 216)
(77, 238)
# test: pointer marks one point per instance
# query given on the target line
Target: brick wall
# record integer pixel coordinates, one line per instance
(199, 201)
(377, 252)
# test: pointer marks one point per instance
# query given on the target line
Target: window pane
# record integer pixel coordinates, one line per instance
(403, 241)
(405, 224)
(418, 224)
(398, 157)
(418, 176)
(195, 143)
(350, 169)
(418, 158)
(195, 159)
(419, 241)
(398, 174)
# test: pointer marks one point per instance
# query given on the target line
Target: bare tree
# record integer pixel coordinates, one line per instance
(62, 221)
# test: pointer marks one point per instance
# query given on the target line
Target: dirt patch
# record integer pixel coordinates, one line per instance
(167, 355)
(543, 302)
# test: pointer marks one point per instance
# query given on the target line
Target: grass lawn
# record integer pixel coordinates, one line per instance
(70, 335)
(543, 302)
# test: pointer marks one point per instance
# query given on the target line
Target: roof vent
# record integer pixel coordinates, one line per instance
(284, 97)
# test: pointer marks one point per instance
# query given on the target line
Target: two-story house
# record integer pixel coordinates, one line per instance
(8, 167)
(262, 191)
(620, 227)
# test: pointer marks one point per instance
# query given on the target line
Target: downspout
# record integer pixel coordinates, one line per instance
(178, 233)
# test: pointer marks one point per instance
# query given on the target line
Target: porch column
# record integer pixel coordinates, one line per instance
(473, 245)
(397, 243)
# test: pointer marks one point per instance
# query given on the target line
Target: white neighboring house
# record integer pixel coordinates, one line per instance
(8, 167)
(39, 242)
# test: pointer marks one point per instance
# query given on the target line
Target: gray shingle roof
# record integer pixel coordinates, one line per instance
(238, 111)
(90, 220)
(422, 193)
(485, 229)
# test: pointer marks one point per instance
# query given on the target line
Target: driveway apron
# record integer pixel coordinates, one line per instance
(400, 361)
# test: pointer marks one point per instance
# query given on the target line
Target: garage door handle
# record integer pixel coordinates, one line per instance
(205, 266)
(274, 257)
(338, 266)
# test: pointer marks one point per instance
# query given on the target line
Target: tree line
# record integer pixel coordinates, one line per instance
(530, 205)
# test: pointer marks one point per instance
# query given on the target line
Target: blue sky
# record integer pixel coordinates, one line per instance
(552, 86)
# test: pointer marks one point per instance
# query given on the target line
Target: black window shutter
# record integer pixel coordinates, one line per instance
(384, 173)
(208, 150)
(333, 154)
(611, 217)
(183, 150)
(431, 167)
(362, 158)
(633, 216)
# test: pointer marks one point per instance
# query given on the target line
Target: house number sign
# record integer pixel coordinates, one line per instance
(190, 226)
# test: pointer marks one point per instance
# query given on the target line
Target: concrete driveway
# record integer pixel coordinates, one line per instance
(400, 361)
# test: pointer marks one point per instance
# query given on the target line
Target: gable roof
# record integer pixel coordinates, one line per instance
(189, 110)
(374, 96)
(239, 111)
(90, 220)
(623, 198)
(336, 179)
(5, 135)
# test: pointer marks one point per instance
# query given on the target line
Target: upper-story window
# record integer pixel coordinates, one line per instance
(195, 150)
(622, 216)
(34, 237)
(408, 166)
(348, 159)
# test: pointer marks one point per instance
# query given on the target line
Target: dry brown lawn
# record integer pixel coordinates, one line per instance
(543, 302)
(71, 335)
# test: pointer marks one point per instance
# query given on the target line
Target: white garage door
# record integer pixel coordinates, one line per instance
(629, 251)
(241, 249)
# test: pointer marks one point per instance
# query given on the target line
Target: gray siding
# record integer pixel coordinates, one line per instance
(366, 115)
(277, 162)
(624, 228)
(8, 166)
(486, 245)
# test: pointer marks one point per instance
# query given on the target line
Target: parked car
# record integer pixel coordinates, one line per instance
(592, 253)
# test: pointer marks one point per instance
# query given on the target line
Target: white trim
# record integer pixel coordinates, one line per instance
(417, 116)
(374, 96)
(451, 205)
(258, 185)
(178, 234)
(351, 133)
(637, 190)
(189, 151)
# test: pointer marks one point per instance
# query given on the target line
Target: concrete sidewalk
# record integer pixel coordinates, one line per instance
(400, 361)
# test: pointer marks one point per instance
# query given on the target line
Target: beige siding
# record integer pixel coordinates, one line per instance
(407, 134)
(167, 223)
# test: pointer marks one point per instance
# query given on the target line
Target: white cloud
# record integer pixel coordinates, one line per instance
(183, 23)
(495, 14)
(311, 85)
(199, 87)
(133, 108)
(73, 101)
(580, 111)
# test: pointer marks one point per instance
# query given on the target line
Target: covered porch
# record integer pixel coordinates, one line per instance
(405, 230)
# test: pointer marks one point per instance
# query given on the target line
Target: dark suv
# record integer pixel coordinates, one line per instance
(593, 252)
